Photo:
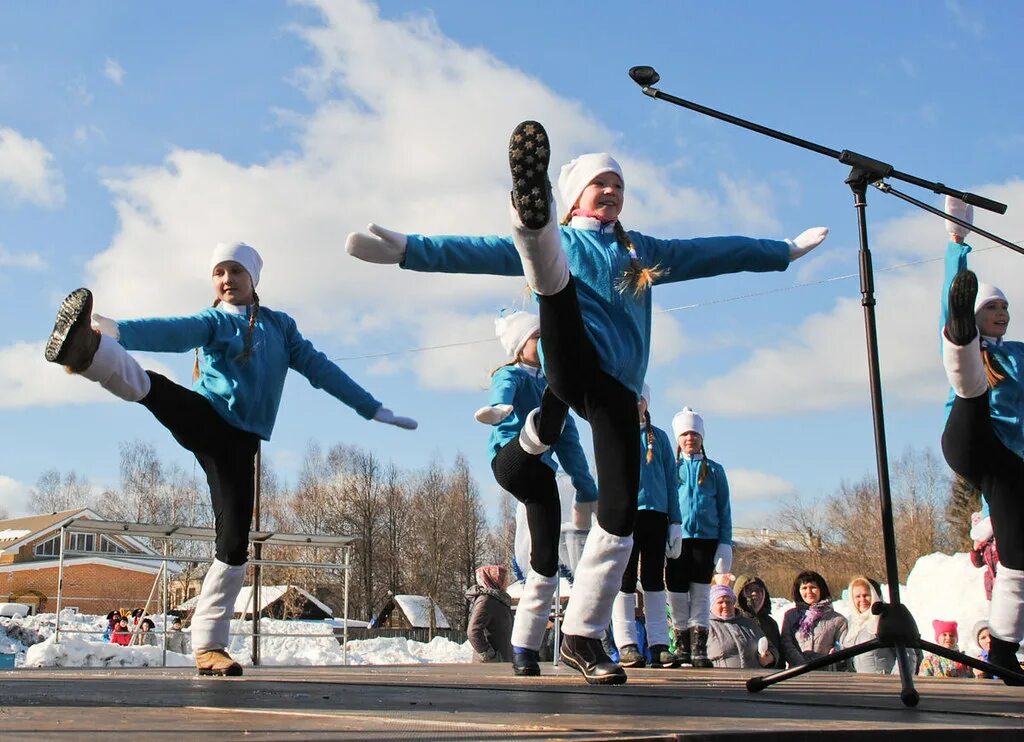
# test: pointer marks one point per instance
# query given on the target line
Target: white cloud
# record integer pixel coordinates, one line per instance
(14, 497)
(28, 260)
(749, 485)
(668, 341)
(113, 70)
(822, 364)
(27, 172)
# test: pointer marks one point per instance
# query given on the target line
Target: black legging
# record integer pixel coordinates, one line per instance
(532, 482)
(649, 535)
(696, 563)
(225, 453)
(973, 451)
(575, 378)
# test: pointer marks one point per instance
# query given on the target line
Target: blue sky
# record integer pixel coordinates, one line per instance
(134, 137)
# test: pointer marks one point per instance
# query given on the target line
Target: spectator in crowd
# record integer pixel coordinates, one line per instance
(811, 628)
(753, 601)
(112, 618)
(121, 634)
(940, 667)
(863, 627)
(147, 635)
(177, 640)
(736, 640)
(490, 617)
(984, 641)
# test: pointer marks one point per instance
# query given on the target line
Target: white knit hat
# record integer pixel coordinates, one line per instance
(577, 175)
(986, 293)
(240, 253)
(686, 420)
(514, 329)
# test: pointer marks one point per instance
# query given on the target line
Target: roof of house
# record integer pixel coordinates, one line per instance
(268, 594)
(417, 609)
(15, 530)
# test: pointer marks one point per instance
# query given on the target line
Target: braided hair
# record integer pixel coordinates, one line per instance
(637, 278)
(993, 371)
(650, 436)
(246, 353)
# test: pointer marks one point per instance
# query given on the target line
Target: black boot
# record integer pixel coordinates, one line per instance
(661, 657)
(72, 341)
(525, 661)
(961, 327)
(588, 657)
(699, 646)
(629, 656)
(528, 156)
(682, 652)
(1004, 654)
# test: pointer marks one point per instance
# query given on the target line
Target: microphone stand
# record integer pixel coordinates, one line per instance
(896, 626)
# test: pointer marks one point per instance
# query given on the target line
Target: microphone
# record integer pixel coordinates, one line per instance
(644, 76)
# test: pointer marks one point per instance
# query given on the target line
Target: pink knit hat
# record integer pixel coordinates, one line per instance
(719, 591)
(944, 627)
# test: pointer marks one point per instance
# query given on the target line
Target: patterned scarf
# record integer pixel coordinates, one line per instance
(810, 617)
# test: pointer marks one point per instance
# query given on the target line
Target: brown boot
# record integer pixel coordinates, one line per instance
(216, 662)
(72, 341)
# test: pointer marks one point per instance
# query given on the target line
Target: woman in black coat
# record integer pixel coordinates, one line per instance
(490, 616)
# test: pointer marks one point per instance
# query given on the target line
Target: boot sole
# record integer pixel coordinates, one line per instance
(633, 664)
(234, 672)
(74, 310)
(529, 153)
(961, 327)
(526, 672)
(592, 679)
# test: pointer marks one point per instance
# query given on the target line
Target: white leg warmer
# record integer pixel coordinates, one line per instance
(533, 610)
(211, 623)
(528, 437)
(964, 368)
(624, 620)
(598, 576)
(700, 604)
(544, 263)
(679, 603)
(656, 620)
(1006, 612)
(117, 372)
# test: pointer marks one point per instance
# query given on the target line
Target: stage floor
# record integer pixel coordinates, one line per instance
(484, 702)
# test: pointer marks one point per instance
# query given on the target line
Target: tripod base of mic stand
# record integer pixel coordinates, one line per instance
(898, 630)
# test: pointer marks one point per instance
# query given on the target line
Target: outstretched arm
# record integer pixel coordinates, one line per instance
(168, 334)
(438, 254)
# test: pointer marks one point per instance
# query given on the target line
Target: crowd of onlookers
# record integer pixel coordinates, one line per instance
(136, 628)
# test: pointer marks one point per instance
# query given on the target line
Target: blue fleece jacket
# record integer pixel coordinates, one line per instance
(247, 394)
(658, 483)
(1006, 399)
(522, 387)
(707, 512)
(618, 324)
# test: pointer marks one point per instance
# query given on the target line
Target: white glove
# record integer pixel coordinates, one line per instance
(762, 646)
(582, 512)
(959, 209)
(804, 242)
(982, 530)
(384, 415)
(723, 559)
(493, 414)
(106, 326)
(674, 543)
(380, 246)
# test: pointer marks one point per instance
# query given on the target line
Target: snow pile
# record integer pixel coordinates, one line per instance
(76, 651)
(398, 651)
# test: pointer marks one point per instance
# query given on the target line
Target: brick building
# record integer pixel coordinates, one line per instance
(95, 584)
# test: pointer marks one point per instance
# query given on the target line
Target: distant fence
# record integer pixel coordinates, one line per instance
(417, 635)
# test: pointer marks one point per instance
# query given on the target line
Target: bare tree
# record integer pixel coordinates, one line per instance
(54, 493)
(964, 500)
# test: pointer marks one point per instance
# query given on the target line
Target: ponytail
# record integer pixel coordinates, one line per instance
(195, 366)
(993, 372)
(650, 436)
(704, 468)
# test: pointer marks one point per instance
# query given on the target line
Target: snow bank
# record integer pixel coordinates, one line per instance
(76, 651)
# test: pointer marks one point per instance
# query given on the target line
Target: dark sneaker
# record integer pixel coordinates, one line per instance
(588, 657)
(528, 155)
(682, 653)
(661, 657)
(699, 647)
(961, 327)
(1004, 654)
(73, 342)
(629, 656)
(525, 661)
(216, 662)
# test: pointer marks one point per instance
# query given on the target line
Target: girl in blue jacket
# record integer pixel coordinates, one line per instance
(244, 352)
(983, 440)
(516, 390)
(656, 533)
(591, 278)
(703, 496)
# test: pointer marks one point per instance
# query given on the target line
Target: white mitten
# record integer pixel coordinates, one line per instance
(386, 416)
(806, 241)
(762, 646)
(380, 246)
(723, 559)
(493, 414)
(674, 543)
(106, 326)
(982, 530)
(959, 209)
(582, 512)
